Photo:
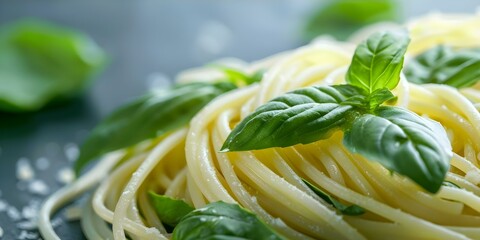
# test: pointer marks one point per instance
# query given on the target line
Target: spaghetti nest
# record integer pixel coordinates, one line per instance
(187, 163)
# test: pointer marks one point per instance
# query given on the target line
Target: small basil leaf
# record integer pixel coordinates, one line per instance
(378, 61)
(450, 184)
(148, 117)
(240, 78)
(352, 210)
(378, 97)
(222, 221)
(169, 210)
(341, 18)
(442, 65)
(41, 63)
(301, 116)
(403, 142)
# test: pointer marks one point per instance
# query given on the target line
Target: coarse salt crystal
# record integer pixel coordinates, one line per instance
(65, 175)
(42, 163)
(71, 151)
(3, 205)
(27, 225)
(24, 170)
(13, 213)
(24, 235)
(30, 212)
(38, 187)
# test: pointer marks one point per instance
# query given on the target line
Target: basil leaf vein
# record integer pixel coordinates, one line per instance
(378, 61)
(402, 142)
(148, 117)
(220, 220)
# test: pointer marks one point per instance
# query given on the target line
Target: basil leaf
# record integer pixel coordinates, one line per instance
(239, 78)
(443, 65)
(301, 116)
(352, 210)
(403, 142)
(42, 63)
(378, 61)
(149, 116)
(220, 220)
(169, 210)
(341, 18)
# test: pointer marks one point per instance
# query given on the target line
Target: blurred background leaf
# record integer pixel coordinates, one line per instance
(42, 63)
(340, 18)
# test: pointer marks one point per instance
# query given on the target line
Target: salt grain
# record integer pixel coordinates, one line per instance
(25, 235)
(38, 187)
(30, 211)
(65, 175)
(3, 206)
(27, 225)
(1, 232)
(56, 222)
(71, 151)
(24, 170)
(13, 213)
(42, 163)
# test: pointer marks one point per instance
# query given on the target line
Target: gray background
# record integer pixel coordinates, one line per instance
(143, 38)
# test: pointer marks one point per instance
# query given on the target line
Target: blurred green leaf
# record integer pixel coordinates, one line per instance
(41, 63)
(340, 18)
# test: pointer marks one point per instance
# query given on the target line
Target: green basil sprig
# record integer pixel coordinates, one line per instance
(352, 210)
(169, 210)
(150, 116)
(222, 221)
(444, 65)
(399, 139)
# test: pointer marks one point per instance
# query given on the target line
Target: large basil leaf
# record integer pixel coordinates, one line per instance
(352, 210)
(41, 63)
(222, 221)
(301, 116)
(378, 61)
(169, 210)
(149, 116)
(340, 18)
(443, 65)
(403, 142)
